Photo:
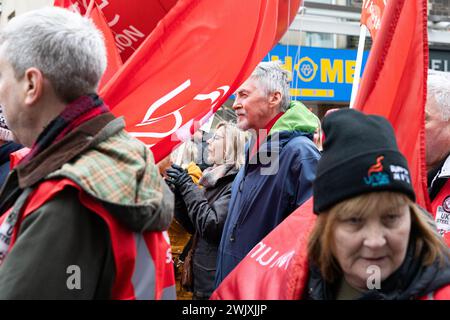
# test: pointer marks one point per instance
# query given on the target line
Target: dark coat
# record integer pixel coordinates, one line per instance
(204, 212)
(262, 200)
(5, 151)
(436, 181)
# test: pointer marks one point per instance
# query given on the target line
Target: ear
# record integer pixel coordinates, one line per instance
(275, 99)
(34, 83)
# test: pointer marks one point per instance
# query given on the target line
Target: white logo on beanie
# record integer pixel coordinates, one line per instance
(400, 174)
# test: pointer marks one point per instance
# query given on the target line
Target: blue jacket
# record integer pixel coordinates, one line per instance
(263, 195)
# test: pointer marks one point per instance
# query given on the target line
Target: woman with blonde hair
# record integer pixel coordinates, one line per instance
(206, 209)
(180, 234)
(371, 240)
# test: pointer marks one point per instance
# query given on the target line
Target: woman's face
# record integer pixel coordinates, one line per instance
(380, 240)
(216, 147)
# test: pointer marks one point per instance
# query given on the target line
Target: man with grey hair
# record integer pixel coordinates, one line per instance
(437, 134)
(77, 210)
(280, 163)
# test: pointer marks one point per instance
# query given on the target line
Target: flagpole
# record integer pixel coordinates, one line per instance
(359, 58)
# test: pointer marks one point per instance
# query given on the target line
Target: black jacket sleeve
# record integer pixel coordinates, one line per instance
(208, 219)
(59, 235)
(181, 214)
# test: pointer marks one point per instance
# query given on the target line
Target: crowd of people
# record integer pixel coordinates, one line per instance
(80, 192)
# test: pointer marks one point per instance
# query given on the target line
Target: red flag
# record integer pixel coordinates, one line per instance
(63, 3)
(264, 273)
(114, 60)
(130, 21)
(371, 14)
(393, 85)
(191, 62)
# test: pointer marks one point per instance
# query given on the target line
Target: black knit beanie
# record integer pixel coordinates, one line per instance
(360, 155)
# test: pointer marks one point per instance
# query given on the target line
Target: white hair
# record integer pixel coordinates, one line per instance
(273, 78)
(439, 88)
(66, 47)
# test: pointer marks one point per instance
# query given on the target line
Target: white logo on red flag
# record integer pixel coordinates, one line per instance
(163, 43)
(151, 119)
(372, 12)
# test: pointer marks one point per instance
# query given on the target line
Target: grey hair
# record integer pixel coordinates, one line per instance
(66, 47)
(273, 78)
(439, 88)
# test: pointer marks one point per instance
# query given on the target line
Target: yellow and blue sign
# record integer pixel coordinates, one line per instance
(319, 74)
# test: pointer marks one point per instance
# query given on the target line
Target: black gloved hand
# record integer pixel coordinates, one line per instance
(177, 176)
(171, 186)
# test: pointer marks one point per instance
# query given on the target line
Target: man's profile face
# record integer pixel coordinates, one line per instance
(251, 106)
(11, 91)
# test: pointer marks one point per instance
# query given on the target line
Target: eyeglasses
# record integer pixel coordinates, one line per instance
(217, 137)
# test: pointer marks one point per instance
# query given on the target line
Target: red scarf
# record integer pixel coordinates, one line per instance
(77, 112)
(261, 136)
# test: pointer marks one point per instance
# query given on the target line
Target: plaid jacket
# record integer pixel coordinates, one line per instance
(108, 167)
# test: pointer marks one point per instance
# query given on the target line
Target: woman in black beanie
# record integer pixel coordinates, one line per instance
(371, 240)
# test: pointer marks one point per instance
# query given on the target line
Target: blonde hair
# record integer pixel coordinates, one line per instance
(235, 140)
(185, 153)
(423, 230)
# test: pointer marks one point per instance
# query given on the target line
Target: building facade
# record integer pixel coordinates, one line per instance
(12, 8)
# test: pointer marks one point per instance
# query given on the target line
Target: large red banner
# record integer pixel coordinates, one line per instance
(195, 56)
(394, 86)
(130, 21)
